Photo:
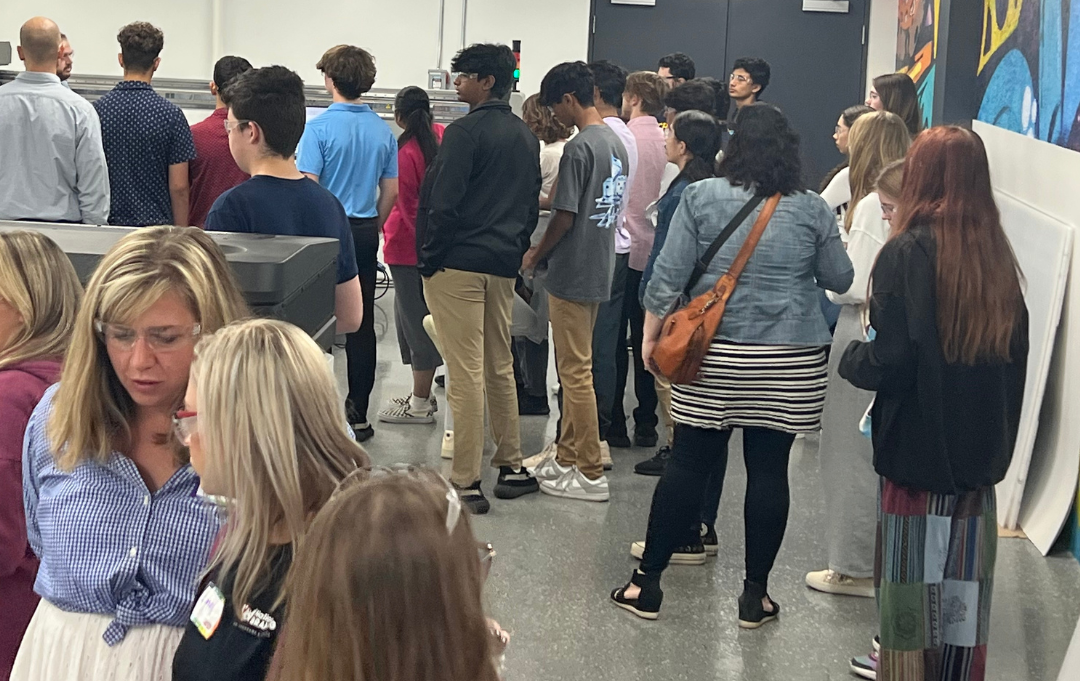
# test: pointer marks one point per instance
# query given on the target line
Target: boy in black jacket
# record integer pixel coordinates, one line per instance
(481, 207)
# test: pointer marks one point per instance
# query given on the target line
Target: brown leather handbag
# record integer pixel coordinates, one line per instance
(687, 333)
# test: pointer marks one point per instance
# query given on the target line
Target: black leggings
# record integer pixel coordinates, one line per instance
(676, 504)
(360, 346)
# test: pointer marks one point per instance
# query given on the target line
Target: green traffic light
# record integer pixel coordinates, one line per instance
(517, 73)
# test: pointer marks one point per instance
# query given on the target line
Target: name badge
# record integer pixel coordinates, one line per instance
(208, 610)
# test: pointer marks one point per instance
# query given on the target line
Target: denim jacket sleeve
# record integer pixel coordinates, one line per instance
(675, 263)
(833, 268)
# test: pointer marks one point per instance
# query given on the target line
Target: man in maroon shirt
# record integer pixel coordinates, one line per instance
(213, 169)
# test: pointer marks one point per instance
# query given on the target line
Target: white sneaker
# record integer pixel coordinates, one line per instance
(403, 413)
(831, 582)
(605, 456)
(574, 485)
(448, 445)
(550, 470)
(537, 460)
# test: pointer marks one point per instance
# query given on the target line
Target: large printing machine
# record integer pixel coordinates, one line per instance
(194, 98)
(285, 277)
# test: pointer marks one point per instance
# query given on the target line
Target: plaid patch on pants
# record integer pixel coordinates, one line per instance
(934, 571)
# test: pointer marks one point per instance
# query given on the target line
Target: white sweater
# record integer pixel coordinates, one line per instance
(869, 232)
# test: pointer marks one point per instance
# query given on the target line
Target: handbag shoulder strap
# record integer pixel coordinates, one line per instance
(755, 235)
(702, 265)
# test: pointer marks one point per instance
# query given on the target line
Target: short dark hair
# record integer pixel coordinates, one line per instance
(570, 77)
(680, 65)
(721, 100)
(610, 81)
(351, 69)
(763, 154)
(273, 97)
(759, 71)
(693, 95)
(140, 43)
(488, 59)
(227, 69)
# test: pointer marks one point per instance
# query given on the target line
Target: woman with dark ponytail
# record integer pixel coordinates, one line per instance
(417, 147)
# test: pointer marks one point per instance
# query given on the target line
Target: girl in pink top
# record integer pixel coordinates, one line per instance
(417, 147)
(39, 296)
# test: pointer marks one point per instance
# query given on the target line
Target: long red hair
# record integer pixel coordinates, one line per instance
(979, 296)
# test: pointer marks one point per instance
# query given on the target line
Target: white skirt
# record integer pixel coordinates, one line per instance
(68, 646)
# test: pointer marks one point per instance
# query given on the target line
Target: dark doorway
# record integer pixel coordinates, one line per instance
(636, 36)
(817, 58)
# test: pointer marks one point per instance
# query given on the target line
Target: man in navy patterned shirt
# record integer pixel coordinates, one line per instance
(147, 139)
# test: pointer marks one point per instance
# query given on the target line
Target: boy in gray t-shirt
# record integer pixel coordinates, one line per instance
(592, 180)
(579, 248)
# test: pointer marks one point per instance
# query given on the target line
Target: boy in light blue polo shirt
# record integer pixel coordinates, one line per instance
(352, 152)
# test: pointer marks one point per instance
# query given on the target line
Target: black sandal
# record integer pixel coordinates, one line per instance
(752, 614)
(647, 604)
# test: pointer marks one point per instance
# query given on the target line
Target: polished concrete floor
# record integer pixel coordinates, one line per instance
(557, 561)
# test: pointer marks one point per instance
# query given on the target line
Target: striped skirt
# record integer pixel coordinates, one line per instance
(935, 575)
(779, 387)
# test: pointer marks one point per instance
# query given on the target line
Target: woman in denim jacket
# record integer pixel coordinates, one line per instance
(766, 369)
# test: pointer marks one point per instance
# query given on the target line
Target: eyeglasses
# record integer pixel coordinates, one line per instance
(738, 77)
(888, 210)
(162, 339)
(184, 425)
(461, 74)
(233, 125)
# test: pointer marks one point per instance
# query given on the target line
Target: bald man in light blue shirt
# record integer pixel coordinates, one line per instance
(53, 166)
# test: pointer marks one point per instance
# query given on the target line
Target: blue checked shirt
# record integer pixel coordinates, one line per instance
(108, 545)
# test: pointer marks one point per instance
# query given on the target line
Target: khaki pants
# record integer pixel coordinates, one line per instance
(571, 331)
(471, 312)
(663, 394)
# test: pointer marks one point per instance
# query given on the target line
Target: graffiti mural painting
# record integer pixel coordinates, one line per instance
(1029, 68)
(916, 48)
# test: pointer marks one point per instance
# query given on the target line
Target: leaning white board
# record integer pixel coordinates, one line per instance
(1070, 670)
(1043, 246)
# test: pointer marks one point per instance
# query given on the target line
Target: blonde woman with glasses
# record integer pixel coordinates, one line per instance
(846, 456)
(387, 586)
(110, 497)
(267, 435)
(39, 297)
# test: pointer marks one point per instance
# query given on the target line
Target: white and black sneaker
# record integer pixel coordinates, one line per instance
(405, 410)
(513, 484)
(473, 497)
(406, 398)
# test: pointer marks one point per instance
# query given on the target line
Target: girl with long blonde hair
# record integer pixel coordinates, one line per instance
(846, 457)
(387, 586)
(267, 434)
(110, 497)
(39, 297)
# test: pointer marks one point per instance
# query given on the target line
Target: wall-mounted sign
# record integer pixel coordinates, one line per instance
(839, 6)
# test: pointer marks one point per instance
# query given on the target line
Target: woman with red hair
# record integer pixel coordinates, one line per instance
(948, 364)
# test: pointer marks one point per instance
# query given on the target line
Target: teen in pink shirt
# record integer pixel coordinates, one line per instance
(417, 148)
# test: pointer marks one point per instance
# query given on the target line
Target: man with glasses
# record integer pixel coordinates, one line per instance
(478, 208)
(748, 80)
(676, 69)
(264, 123)
(53, 164)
